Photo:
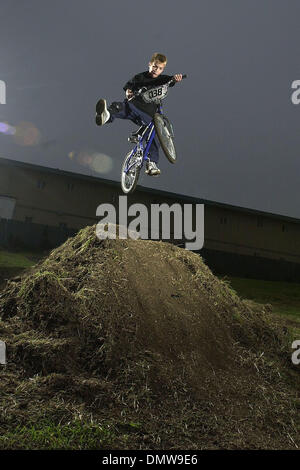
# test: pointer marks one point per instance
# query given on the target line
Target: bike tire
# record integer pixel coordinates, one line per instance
(129, 181)
(162, 128)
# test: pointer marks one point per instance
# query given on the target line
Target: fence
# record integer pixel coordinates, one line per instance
(17, 234)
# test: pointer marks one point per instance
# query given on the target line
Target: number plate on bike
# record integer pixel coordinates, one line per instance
(155, 94)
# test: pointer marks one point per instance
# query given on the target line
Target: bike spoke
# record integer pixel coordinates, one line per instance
(166, 138)
(130, 173)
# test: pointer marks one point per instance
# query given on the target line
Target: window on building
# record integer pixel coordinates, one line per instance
(283, 228)
(223, 220)
(28, 220)
(70, 186)
(41, 184)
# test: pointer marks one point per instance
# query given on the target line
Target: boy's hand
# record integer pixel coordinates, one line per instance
(129, 93)
(178, 77)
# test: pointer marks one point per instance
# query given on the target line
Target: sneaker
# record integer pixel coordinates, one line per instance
(102, 114)
(152, 169)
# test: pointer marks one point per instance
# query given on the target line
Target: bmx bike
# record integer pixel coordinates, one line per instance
(143, 137)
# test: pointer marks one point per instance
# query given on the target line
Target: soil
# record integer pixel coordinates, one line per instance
(135, 331)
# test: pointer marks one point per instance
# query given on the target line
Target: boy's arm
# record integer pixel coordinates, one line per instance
(128, 87)
(177, 78)
(138, 81)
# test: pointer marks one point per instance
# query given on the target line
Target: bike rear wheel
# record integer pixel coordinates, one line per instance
(130, 178)
(164, 134)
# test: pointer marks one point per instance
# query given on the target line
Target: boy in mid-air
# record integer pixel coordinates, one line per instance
(135, 108)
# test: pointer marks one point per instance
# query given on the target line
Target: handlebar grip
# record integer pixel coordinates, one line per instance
(183, 76)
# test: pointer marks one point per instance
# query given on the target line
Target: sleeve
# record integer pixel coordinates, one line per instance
(130, 84)
(164, 79)
(168, 77)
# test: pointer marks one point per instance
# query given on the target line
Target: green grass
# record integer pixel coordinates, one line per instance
(46, 435)
(16, 259)
(283, 296)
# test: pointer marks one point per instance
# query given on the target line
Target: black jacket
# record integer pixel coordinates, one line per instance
(145, 79)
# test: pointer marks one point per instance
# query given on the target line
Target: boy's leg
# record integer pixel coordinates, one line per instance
(108, 114)
(119, 110)
(139, 117)
(126, 110)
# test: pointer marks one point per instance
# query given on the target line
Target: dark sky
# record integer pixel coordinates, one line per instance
(237, 131)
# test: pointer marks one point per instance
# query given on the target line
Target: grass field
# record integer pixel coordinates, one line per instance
(13, 263)
(48, 436)
(17, 259)
(283, 296)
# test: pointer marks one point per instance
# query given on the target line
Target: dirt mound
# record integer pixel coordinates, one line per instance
(124, 331)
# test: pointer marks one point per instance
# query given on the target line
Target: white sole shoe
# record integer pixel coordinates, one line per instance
(102, 113)
(152, 171)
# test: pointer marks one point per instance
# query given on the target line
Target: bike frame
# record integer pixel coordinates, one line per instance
(148, 135)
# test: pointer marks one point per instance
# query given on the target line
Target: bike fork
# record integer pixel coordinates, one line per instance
(150, 132)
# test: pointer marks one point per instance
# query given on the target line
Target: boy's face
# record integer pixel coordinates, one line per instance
(156, 68)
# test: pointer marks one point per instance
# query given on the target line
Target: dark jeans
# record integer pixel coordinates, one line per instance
(126, 110)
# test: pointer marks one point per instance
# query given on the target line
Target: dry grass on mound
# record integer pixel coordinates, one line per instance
(124, 330)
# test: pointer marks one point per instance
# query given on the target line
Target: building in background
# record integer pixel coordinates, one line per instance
(40, 207)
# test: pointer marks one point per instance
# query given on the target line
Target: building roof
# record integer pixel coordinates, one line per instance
(154, 192)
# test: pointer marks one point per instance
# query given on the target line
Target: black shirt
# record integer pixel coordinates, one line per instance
(145, 79)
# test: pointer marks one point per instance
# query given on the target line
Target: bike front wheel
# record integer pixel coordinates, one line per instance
(165, 137)
(129, 177)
